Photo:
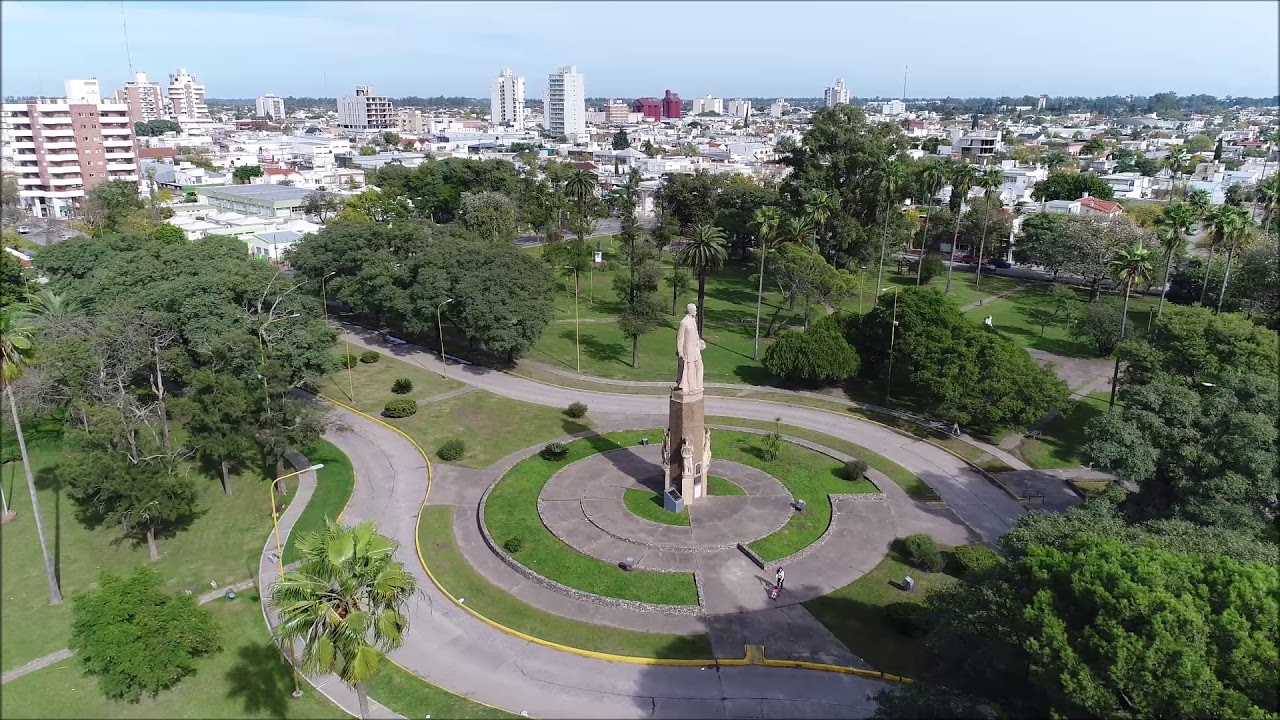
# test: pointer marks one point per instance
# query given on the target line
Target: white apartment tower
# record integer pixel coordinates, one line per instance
(365, 111)
(270, 106)
(506, 105)
(145, 99)
(708, 104)
(565, 103)
(837, 94)
(63, 147)
(738, 108)
(187, 98)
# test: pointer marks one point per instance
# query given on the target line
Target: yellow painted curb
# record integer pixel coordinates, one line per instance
(632, 659)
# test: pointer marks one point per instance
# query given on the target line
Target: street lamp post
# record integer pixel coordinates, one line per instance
(577, 345)
(893, 332)
(440, 331)
(862, 276)
(275, 524)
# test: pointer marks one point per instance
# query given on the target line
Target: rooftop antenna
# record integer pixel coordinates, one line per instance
(904, 83)
(125, 23)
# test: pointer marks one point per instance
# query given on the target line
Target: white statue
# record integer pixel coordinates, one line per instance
(666, 455)
(689, 347)
(706, 453)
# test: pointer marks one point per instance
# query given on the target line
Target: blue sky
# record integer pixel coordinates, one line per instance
(244, 49)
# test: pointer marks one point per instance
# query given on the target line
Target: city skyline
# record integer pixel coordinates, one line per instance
(453, 53)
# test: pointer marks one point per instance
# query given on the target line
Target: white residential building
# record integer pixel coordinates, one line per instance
(778, 108)
(365, 111)
(506, 106)
(145, 99)
(186, 96)
(837, 94)
(977, 143)
(894, 108)
(270, 106)
(708, 104)
(1129, 185)
(63, 147)
(738, 108)
(564, 103)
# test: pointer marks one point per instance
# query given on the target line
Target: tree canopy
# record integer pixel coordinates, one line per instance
(1072, 186)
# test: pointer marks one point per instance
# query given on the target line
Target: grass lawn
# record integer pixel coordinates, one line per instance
(648, 505)
(808, 474)
(435, 534)
(371, 382)
(222, 544)
(856, 614)
(719, 486)
(492, 426)
(511, 511)
(1015, 318)
(412, 697)
(963, 291)
(246, 679)
(904, 478)
(1061, 443)
(334, 484)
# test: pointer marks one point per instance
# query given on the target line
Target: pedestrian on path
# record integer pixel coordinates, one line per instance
(779, 578)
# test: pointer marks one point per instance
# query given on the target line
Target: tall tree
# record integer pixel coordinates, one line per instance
(221, 411)
(933, 177)
(638, 288)
(17, 350)
(990, 180)
(346, 603)
(1176, 160)
(1238, 232)
(1176, 220)
(766, 219)
(703, 252)
(893, 176)
(1131, 264)
(581, 185)
(963, 175)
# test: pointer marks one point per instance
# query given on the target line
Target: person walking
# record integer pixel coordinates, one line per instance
(779, 578)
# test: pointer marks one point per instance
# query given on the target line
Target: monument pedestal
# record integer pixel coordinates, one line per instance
(686, 447)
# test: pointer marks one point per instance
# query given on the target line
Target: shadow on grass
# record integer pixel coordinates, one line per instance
(261, 680)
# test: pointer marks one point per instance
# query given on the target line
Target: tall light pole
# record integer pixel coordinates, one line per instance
(577, 344)
(440, 331)
(893, 332)
(275, 523)
(862, 276)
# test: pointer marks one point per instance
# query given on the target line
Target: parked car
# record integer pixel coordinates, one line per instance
(999, 264)
(968, 259)
(24, 229)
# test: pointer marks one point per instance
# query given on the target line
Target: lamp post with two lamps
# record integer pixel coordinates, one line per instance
(893, 333)
(577, 347)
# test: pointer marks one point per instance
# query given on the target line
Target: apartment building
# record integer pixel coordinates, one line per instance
(506, 105)
(978, 143)
(837, 94)
(365, 111)
(63, 147)
(412, 121)
(708, 104)
(738, 108)
(186, 96)
(617, 112)
(564, 103)
(145, 99)
(270, 106)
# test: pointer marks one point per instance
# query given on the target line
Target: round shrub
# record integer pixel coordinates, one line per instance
(968, 560)
(513, 545)
(10, 453)
(854, 470)
(400, 408)
(369, 356)
(909, 618)
(922, 552)
(451, 450)
(576, 410)
(347, 361)
(402, 386)
(554, 451)
(814, 357)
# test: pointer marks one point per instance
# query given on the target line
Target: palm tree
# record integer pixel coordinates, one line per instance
(1237, 226)
(798, 230)
(1176, 159)
(1175, 221)
(1219, 224)
(703, 251)
(50, 305)
(1200, 202)
(345, 602)
(1269, 190)
(963, 176)
(991, 180)
(1131, 264)
(581, 185)
(892, 176)
(766, 219)
(819, 208)
(17, 348)
(1055, 159)
(932, 179)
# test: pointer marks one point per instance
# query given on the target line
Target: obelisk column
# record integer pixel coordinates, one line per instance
(688, 454)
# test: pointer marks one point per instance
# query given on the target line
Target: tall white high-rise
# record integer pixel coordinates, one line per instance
(565, 103)
(366, 111)
(837, 94)
(145, 99)
(738, 107)
(708, 104)
(271, 106)
(506, 106)
(187, 97)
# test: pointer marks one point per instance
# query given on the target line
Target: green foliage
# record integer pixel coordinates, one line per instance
(221, 411)
(620, 140)
(817, 356)
(155, 128)
(400, 408)
(854, 470)
(802, 274)
(933, 267)
(771, 448)
(347, 360)
(402, 386)
(908, 618)
(1072, 186)
(968, 561)
(244, 173)
(435, 187)
(910, 702)
(107, 205)
(367, 150)
(1198, 143)
(451, 449)
(576, 410)
(922, 552)
(14, 283)
(553, 451)
(169, 234)
(136, 639)
(513, 544)
(1098, 323)
(638, 287)
(490, 215)
(370, 356)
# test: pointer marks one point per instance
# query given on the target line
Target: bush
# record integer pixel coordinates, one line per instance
(451, 450)
(576, 410)
(347, 361)
(513, 545)
(402, 386)
(400, 408)
(554, 451)
(369, 356)
(910, 619)
(922, 552)
(968, 560)
(10, 453)
(772, 446)
(817, 356)
(854, 470)
(933, 267)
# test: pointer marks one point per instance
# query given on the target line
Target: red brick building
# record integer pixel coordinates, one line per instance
(671, 106)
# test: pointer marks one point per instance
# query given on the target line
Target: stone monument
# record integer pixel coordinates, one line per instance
(686, 445)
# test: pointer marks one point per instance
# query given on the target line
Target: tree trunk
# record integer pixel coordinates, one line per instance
(1115, 373)
(702, 297)
(226, 478)
(158, 388)
(952, 262)
(982, 244)
(362, 699)
(635, 351)
(884, 236)
(759, 301)
(55, 594)
(924, 247)
(152, 553)
(1168, 268)
(1208, 268)
(1226, 272)
(280, 486)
